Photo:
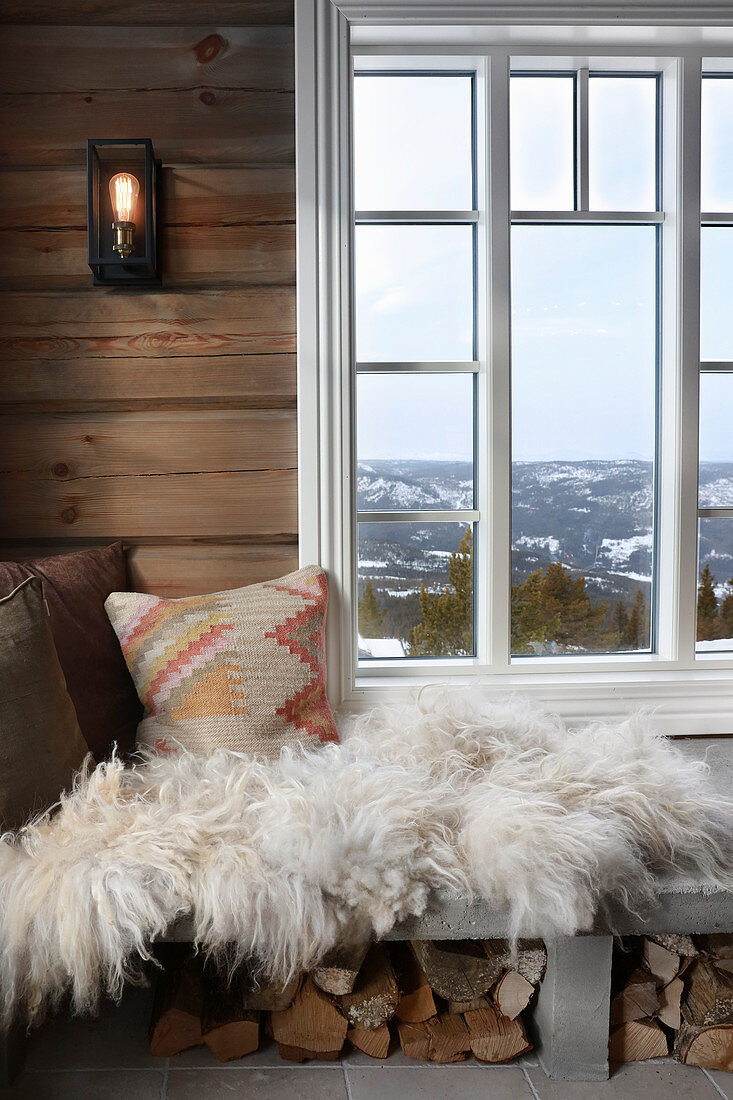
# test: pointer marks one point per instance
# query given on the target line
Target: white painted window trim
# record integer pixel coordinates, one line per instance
(689, 695)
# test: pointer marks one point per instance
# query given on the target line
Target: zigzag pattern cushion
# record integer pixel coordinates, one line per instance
(242, 670)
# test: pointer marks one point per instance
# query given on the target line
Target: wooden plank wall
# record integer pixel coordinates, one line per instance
(165, 417)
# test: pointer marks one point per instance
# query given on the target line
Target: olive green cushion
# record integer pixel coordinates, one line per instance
(41, 745)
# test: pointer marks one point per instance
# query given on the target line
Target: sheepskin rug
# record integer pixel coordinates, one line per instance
(282, 860)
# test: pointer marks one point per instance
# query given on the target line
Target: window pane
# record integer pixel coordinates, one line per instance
(413, 143)
(716, 440)
(395, 560)
(541, 142)
(414, 293)
(622, 114)
(716, 152)
(583, 437)
(415, 441)
(715, 585)
(716, 279)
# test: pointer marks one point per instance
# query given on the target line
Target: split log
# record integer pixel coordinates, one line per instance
(467, 1006)
(228, 1029)
(311, 1028)
(710, 1047)
(175, 1024)
(705, 1037)
(414, 1039)
(338, 973)
(375, 995)
(375, 1043)
(531, 961)
(493, 1037)
(637, 1000)
(719, 946)
(259, 996)
(304, 1054)
(449, 1040)
(416, 1002)
(661, 962)
(670, 997)
(444, 1039)
(677, 944)
(637, 1040)
(458, 970)
(709, 997)
(512, 994)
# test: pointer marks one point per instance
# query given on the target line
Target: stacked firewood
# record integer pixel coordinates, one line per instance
(442, 1000)
(674, 993)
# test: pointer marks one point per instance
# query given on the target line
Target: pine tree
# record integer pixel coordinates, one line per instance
(446, 629)
(555, 608)
(531, 627)
(580, 622)
(635, 628)
(370, 617)
(707, 606)
(621, 622)
(725, 615)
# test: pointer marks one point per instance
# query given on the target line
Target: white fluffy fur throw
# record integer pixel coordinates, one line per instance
(286, 859)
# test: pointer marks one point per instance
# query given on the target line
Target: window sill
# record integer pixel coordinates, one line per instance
(694, 702)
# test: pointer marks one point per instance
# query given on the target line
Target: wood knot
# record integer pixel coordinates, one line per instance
(208, 98)
(208, 48)
(88, 99)
(87, 439)
(68, 515)
(60, 469)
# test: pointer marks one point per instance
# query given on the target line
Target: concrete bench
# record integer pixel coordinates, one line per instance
(571, 1017)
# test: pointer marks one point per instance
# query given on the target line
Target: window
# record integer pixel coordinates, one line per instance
(715, 540)
(516, 357)
(584, 353)
(414, 285)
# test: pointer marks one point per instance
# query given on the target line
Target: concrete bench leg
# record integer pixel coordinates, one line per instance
(572, 1013)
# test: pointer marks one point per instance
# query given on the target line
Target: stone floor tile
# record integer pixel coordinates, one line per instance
(116, 1039)
(724, 1082)
(301, 1083)
(128, 1084)
(633, 1081)
(437, 1083)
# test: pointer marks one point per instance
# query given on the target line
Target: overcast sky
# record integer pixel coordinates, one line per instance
(583, 298)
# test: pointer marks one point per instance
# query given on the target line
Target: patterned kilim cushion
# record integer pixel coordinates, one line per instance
(243, 670)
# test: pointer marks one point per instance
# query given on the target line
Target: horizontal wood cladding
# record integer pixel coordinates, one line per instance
(207, 381)
(204, 125)
(66, 447)
(145, 12)
(103, 323)
(176, 571)
(257, 505)
(191, 195)
(180, 569)
(50, 60)
(234, 225)
(162, 417)
(192, 256)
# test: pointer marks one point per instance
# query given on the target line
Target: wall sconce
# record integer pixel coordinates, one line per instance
(122, 212)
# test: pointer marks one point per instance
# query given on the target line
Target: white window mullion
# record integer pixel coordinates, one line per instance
(689, 348)
(499, 365)
(581, 140)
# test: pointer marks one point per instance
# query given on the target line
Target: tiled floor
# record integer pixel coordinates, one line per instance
(108, 1059)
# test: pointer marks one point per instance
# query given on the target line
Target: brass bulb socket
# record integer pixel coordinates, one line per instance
(123, 238)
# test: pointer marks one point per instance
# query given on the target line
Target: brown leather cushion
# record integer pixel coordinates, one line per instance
(75, 587)
(41, 745)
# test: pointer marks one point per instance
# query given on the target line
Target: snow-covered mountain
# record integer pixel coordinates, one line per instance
(595, 517)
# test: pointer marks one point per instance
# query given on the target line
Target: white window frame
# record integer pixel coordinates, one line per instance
(690, 694)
